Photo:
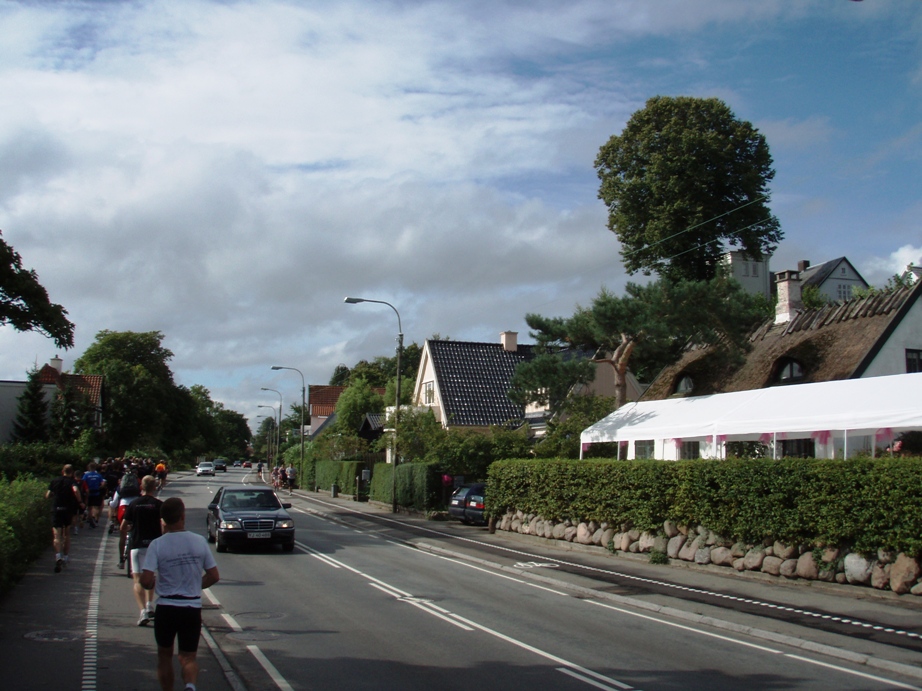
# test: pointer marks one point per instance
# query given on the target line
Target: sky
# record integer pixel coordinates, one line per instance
(226, 172)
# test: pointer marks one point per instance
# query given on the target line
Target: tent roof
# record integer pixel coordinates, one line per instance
(861, 406)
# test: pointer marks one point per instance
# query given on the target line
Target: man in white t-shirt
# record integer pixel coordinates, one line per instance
(184, 566)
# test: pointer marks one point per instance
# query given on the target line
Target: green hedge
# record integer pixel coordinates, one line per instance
(862, 503)
(25, 527)
(38, 460)
(418, 485)
(343, 473)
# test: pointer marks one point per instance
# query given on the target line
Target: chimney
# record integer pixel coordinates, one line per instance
(803, 265)
(789, 299)
(509, 339)
(57, 363)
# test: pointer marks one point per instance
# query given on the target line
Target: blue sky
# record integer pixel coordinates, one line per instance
(226, 172)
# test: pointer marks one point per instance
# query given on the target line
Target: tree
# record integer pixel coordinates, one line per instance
(31, 423)
(548, 378)
(24, 303)
(683, 177)
(656, 320)
(353, 405)
(142, 401)
(71, 416)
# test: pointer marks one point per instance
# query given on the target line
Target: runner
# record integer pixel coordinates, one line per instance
(142, 523)
(290, 476)
(129, 489)
(96, 490)
(66, 502)
(80, 517)
(161, 473)
(180, 564)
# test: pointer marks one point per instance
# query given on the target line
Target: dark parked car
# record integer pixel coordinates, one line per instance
(467, 504)
(241, 515)
(220, 464)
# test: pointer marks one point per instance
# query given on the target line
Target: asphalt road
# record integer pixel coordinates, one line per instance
(369, 600)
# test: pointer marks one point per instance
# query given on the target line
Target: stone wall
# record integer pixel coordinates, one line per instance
(898, 572)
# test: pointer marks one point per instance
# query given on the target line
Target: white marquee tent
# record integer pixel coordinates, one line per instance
(830, 412)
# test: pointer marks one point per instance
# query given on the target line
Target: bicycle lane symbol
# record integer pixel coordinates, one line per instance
(535, 565)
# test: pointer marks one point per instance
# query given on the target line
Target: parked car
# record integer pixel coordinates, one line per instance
(220, 464)
(467, 504)
(244, 515)
(205, 468)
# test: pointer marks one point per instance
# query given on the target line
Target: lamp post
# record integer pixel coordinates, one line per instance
(303, 394)
(278, 430)
(354, 301)
(269, 439)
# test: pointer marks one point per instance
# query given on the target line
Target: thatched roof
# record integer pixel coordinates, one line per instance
(837, 341)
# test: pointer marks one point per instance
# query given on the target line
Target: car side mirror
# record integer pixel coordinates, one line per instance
(286, 505)
(212, 507)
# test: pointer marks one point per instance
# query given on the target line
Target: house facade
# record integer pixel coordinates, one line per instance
(466, 384)
(874, 336)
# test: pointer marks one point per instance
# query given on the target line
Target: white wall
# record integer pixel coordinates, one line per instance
(892, 357)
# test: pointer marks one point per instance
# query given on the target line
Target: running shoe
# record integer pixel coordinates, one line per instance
(58, 565)
(121, 564)
(143, 621)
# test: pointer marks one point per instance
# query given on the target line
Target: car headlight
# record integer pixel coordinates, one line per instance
(287, 523)
(229, 525)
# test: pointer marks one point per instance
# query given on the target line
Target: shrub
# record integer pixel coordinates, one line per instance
(25, 527)
(863, 503)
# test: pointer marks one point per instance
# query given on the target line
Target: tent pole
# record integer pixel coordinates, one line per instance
(774, 446)
(845, 444)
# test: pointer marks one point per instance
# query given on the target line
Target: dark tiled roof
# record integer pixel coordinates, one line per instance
(837, 341)
(323, 398)
(816, 275)
(474, 381)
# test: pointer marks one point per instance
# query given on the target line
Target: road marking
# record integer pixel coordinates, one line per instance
(536, 565)
(586, 680)
(270, 668)
(91, 640)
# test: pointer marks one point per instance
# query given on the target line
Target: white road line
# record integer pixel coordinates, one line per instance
(586, 680)
(91, 639)
(271, 670)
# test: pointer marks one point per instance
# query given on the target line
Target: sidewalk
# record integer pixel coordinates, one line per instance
(78, 629)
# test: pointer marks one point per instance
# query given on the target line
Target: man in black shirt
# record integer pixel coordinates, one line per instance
(142, 524)
(66, 501)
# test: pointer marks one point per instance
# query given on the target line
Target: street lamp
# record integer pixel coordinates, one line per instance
(278, 430)
(269, 439)
(354, 301)
(303, 392)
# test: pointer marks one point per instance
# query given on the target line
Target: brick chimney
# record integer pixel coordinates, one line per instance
(803, 265)
(789, 298)
(509, 339)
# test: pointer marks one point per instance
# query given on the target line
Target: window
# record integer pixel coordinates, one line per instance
(690, 450)
(755, 269)
(789, 372)
(685, 385)
(429, 392)
(844, 292)
(745, 268)
(913, 360)
(643, 449)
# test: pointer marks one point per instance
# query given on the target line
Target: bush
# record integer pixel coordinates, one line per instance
(25, 527)
(38, 460)
(418, 485)
(861, 503)
(343, 473)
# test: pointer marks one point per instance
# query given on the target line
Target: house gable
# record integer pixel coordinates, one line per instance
(837, 341)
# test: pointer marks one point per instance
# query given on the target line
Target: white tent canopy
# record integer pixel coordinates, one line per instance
(876, 405)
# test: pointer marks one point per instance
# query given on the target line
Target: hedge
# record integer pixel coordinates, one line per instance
(418, 485)
(25, 527)
(39, 460)
(863, 503)
(343, 473)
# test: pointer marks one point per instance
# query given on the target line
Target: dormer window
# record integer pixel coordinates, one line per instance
(789, 372)
(685, 385)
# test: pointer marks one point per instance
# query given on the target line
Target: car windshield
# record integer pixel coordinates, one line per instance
(250, 500)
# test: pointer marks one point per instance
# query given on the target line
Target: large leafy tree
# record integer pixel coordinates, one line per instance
(353, 404)
(31, 423)
(684, 177)
(139, 383)
(548, 378)
(24, 303)
(648, 326)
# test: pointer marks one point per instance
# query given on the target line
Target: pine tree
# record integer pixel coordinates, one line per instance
(70, 416)
(31, 423)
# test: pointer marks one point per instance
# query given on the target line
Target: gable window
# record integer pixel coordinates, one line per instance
(789, 372)
(844, 292)
(913, 360)
(685, 385)
(745, 268)
(429, 392)
(690, 450)
(755, 269)
(643, 449)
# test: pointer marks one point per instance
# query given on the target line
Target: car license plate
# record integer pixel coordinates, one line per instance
(259, 536)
